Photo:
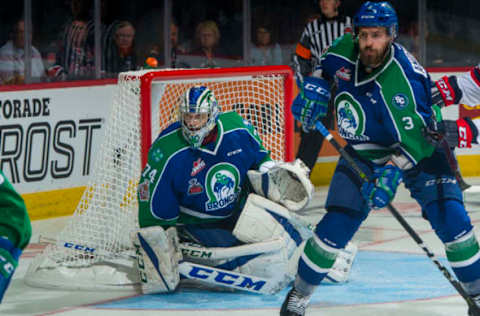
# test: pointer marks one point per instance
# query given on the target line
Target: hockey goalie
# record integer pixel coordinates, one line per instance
(216, 209)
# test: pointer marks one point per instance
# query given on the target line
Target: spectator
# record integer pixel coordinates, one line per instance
(207, 37)
(156, 53)
(316, 37)
(265, 51)
(177, 48)
(12, 58)
(120, 52)
(75, 57)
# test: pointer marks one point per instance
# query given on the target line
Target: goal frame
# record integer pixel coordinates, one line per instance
(178, 74)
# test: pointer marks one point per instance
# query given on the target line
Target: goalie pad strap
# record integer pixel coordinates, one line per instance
(265, 184)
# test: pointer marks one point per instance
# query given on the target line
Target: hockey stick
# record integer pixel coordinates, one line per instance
(189, 250)
(452, 161)
(200, 273)
(341, 150)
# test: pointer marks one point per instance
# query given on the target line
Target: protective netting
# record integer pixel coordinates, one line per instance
(93, 250)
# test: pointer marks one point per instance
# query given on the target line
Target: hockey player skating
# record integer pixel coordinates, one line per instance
(383, 105)
(195, 189)
(15, 231)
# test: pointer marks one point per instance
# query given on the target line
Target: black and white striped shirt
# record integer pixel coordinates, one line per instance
(317, 36)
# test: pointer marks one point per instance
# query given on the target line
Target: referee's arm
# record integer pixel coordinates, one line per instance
(302, 59)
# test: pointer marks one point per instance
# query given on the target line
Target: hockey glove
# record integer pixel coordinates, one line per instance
(380, 191)
(9, 255)
(460, 133)
(446, 92)
(312, 102)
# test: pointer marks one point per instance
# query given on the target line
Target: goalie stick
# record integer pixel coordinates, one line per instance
(202, 273)
(188, 249)
(341, 150)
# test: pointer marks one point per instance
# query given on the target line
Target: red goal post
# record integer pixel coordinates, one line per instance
(274, 77)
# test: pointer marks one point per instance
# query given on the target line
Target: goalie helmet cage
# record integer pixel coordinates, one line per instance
(94, 251)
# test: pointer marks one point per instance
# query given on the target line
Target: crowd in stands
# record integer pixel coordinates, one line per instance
(208, 34)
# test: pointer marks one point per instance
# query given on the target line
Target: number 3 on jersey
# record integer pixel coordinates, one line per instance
(407, 122)
(149, 173)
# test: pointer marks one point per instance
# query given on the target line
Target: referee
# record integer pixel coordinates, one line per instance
(318, 35)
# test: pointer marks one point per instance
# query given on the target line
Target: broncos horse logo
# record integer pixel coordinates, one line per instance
(223, 186)
(346, 118)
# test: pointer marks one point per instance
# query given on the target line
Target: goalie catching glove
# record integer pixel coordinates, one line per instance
(285, 183)
(157, 258)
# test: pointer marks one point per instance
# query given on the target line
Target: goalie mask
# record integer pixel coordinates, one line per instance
(198, 114)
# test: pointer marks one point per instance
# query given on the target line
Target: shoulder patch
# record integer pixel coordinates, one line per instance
(144, 191)
(400, 101)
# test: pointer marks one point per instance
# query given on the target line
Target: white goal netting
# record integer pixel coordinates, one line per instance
(93, 251)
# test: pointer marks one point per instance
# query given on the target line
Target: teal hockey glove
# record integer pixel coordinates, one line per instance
(382, 188)
(312, 102)
(9, 255)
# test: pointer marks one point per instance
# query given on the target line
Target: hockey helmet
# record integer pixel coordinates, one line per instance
(373, 14)
(198, 114)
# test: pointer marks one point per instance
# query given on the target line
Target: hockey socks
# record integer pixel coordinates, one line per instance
(332, 234)
(451, 223)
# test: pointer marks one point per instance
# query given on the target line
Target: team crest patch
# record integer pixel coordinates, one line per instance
(222, 185)
(198, 165)
(344, 73)
(144, 190)
(400, 101)
(194, 187)
(350, 118)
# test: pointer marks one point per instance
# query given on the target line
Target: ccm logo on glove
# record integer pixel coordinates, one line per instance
(315, 88)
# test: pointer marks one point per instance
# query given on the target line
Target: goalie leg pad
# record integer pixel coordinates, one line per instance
(157, 259)
(273, 265)
(286, 183)
(262, 220)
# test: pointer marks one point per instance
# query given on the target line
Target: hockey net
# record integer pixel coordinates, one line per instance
(94, 250)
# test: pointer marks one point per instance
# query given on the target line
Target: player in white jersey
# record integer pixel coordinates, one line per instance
(463, 89)
(197, 188)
